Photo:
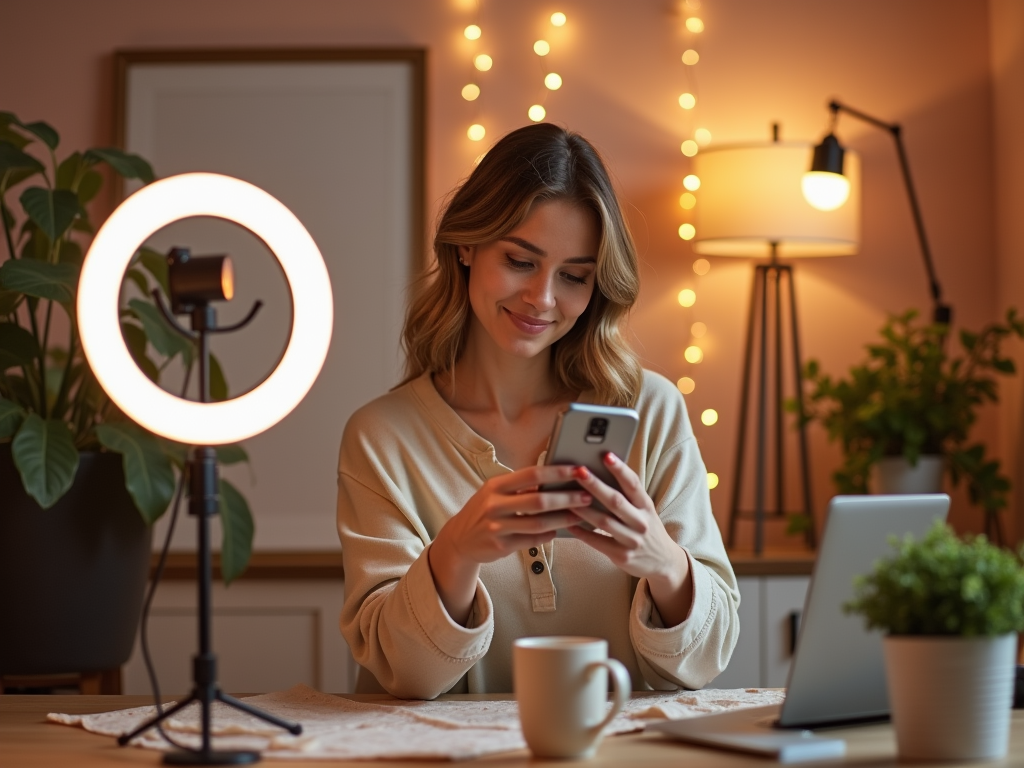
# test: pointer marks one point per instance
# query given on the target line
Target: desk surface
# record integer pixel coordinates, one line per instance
(27, 740)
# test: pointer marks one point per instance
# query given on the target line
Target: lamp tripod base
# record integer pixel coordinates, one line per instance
(180, 757)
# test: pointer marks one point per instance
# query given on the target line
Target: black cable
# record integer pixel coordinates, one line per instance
(154, 683)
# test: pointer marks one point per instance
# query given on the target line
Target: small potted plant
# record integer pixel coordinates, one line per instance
(905, 414)
(950, 609)
(80, 482)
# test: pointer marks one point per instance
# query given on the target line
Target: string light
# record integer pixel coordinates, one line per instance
(558, 19)
(483, 62)
(691, 182)
(702, 266)
(698, 329)
(687, 200)
(686, 385)
(553, 81)
(686, 297)
(712, 481)
(542, 48)
(471, 92)
(689, 147)
(687, 231)
(709, 417)
(702, 136)
(536, 113)
(695, 25)
(690, 57)
(693, 354)
(476, 132)
(472, 32)
(687, 101)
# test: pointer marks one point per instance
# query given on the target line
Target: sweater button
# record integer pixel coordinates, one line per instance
(537, 567)
(533, 551)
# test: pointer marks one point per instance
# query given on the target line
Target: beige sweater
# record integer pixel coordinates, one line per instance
(409, 462)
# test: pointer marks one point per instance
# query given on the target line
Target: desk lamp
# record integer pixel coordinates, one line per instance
(751, 205)
(194, 283)
(826, 187)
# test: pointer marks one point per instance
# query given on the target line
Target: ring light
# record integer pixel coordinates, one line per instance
(157, 205)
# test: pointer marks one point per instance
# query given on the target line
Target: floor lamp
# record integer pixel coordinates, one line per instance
(194, 283)
(750, 204)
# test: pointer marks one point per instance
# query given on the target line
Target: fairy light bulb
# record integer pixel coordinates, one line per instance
(702, 266)
(690, 57)
(471, 92)
(542, 48)
(687, 231)
(686, 385)
(536, 113)
(476, 132)
(712, 481)
(553, 81)
(709, 417)
(483, 62)
(472, 32)
(687, 100)
(695, 25)
(687, 200)
(558, 19)
(691, 182)
(698, 329)
(689, 147)
(686, 298)
(693, 354)
(702, 136)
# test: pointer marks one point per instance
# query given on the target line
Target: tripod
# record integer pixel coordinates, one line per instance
(204, 503)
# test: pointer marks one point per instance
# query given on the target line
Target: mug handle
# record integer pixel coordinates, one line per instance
(621, 687)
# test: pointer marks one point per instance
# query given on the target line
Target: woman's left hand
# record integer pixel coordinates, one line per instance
(636, 539)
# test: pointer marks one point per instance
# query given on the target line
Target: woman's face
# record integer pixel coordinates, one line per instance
(528, 288)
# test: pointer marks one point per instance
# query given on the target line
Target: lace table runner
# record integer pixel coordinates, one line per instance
(337, 728)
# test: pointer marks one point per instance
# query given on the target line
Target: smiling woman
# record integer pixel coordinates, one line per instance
(448, 541)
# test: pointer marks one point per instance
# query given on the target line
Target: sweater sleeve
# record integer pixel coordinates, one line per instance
(694, 652)
(393, 618)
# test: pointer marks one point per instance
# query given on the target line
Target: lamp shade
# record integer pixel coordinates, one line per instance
(751, 196)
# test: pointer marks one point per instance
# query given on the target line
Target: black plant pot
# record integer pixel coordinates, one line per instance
(72, 577)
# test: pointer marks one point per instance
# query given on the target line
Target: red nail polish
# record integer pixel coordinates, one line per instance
(581, 472)
(610, 459)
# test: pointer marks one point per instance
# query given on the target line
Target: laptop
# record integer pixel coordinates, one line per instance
(837, 674)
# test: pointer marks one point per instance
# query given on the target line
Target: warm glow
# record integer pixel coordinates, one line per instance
(553, 81)
(536, 113)
(693, 5)
(702, 266)
(694, 24)
(472, 32)
(471, 92)
(687, 100)
(154, 207)
(693, 354)
(690, 57)
(483, 62)
(687, 231)
(476, 132)
(825, 191)
(558, 19)
(709, 417)
(687, 200)
(691, 182)
(712, 481)
(698, 329)
(702, 136)
(686, 297)
(479, 158)
(689, 147)
(227, 279)
(686, 385)
(541, 48)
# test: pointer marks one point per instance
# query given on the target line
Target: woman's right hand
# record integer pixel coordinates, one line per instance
(507, 514)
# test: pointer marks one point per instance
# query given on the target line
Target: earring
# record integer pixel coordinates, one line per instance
(462, 261)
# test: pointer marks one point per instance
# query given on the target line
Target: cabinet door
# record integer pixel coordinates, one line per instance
(744, 670)
(783, 604)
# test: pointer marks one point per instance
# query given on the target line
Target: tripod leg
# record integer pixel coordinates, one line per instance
(737, 485)
(293, 728)
(152, 722)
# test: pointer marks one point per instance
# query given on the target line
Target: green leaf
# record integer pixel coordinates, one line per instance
(70, 253)
(51, 210)
(149, 475)
(218, 384)
(40, 279)
(136, 276)
(231, 454)
(164, 339)
(68, 170)
(11, 416)
(44, 131)
(128, 166)
(17, 346)
(45, 455)
(13, 158)
(9, 301)
(7, 119)
(88, 186)
(135, 340)
(156, 264)
(238, 528)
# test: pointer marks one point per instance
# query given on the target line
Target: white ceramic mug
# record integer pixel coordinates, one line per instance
(561, 684)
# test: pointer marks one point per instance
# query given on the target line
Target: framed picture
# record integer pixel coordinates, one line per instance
(338, 136)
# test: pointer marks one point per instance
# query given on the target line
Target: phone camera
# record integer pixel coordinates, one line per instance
(597, 430)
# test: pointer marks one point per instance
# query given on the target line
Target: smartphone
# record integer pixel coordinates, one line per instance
(583, 434)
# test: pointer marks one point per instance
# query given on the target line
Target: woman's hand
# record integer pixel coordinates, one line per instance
(637, 541)
(508, 513)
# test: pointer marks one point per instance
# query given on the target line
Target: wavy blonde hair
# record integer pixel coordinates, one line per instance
(537, 163)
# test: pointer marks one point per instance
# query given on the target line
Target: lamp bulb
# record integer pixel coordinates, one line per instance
(824, 190)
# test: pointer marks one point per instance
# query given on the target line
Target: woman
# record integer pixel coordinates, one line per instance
(449, 547)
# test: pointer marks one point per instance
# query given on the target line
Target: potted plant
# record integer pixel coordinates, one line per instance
(81, 483)
(909, 409)
(950, 609)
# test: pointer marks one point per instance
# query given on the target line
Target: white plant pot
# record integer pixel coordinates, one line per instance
(893, 474)
(951, 696)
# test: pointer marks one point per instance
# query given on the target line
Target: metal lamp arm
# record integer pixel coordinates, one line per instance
(943, 313)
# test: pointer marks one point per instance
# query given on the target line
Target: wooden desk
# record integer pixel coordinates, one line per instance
(26, 740)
